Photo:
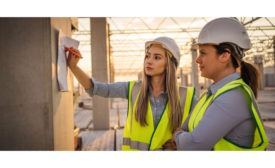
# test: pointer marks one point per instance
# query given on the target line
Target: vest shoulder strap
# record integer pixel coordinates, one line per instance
(229, 86)
(135, 91)
(186, 100)
(182, 94)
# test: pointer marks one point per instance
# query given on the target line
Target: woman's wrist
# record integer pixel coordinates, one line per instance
(73, 67)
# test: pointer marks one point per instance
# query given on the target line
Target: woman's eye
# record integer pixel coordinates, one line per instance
(202, 53)
(157, 57)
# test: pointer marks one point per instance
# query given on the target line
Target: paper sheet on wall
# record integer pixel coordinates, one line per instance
(62, 71)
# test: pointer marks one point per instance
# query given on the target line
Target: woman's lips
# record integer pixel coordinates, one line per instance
(149, 68)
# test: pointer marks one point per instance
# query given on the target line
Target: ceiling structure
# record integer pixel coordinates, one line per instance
(128, 35)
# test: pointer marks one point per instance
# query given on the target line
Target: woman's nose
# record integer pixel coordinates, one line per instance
(149, 60)
(198, 60)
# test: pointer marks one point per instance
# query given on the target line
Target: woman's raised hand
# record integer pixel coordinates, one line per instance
(73, 58)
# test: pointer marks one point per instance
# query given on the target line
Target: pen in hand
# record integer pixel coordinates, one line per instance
(75, 53)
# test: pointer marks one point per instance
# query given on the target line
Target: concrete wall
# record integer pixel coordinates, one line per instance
(63, 121)
(34, 115)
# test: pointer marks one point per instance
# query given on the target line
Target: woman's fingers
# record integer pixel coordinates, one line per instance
(73, 52)
(174, 135)
(169, 145)
(73, 56)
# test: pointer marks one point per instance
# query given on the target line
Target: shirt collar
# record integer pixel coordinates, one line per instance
(214, 87)
(151, 90)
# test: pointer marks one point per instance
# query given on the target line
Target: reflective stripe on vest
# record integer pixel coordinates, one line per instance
(137, 137)
(135, 144)
(260, 141)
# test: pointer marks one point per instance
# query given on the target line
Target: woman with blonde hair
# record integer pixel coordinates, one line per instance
(156, 104)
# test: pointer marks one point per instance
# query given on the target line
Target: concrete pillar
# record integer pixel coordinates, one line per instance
(183, 78)
(100, 70)
(111, 62)
(258, 60)
(34, 115)
(195, 77)
(274, 55)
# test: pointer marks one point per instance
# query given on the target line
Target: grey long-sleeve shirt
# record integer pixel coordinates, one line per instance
(120, 90)
(228, 116)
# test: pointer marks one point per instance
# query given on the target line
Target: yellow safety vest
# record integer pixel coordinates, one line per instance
(260, 140)
(137, 137)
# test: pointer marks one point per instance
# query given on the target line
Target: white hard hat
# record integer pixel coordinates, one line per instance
(224, 30)
(167, 43)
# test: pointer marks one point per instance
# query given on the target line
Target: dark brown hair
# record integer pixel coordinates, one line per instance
(249, 73)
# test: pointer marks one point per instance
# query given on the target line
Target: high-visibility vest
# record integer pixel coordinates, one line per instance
(260, 141)
(137, 137)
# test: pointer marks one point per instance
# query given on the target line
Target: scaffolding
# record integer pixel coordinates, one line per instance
(128, 35)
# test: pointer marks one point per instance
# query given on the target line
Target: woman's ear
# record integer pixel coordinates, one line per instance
(225, 57)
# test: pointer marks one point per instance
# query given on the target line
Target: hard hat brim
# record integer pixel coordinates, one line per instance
(148, 43)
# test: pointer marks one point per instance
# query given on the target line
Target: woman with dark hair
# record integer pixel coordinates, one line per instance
(226, 116)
